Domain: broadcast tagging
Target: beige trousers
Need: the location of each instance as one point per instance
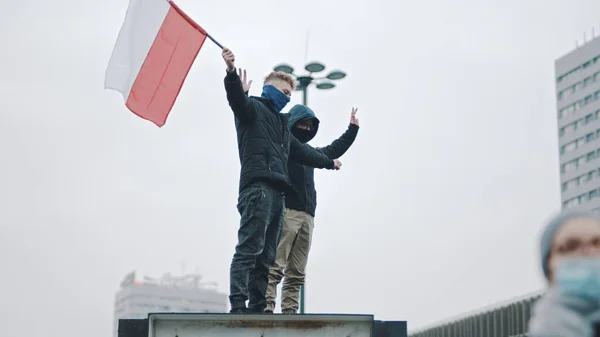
(291, 259)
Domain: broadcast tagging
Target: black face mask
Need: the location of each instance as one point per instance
(302, 135)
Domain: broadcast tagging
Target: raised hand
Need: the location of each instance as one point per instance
(353, 119)
(229, 59)
(337, 164)
(245, 85)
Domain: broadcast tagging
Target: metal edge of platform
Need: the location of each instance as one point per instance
(176, 316)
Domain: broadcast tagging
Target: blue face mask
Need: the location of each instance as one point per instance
(579, 277)
(279, 99)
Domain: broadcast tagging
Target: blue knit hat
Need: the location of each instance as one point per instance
(553, 227)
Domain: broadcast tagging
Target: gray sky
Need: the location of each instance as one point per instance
(436, 210)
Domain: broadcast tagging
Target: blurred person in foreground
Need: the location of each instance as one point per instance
(264, 145)
(570, 252)
(301, 204)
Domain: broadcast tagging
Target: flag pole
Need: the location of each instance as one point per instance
(215, 41)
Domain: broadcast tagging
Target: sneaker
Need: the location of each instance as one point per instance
(241, 310)
(256, 311)
(288, 311)
(267, 311)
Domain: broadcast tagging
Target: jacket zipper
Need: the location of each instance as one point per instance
(282, 128)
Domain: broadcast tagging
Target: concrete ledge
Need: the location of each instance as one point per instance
(259, 325)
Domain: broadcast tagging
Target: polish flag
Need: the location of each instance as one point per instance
(154, 52)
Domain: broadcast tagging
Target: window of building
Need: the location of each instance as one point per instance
(591, 156)
(572, 127)
(587, 81)
(590, 137)
(568, 147)
(569, 166)
(571, 202)
(567, 129)
(589, 118)
(592, 175)
(570, 184)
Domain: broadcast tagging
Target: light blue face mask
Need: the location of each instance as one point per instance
(579, 277)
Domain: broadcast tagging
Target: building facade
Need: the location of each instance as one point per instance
(578, 107)
(136, 299)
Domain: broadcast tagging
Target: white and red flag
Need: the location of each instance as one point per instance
(154, 52)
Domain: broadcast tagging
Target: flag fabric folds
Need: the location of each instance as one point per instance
(154, 52)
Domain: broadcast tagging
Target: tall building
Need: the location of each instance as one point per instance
(136, 299)
(578, 106)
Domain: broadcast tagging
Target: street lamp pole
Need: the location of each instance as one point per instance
(304, 95)
(303, 82)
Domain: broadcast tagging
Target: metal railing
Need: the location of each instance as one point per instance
(509, 319)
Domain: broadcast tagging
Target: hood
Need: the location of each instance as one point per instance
(555, 314)
(300, 112)
(552, 228)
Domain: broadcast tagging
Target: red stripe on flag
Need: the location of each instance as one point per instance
(163, 73)
(187, 17)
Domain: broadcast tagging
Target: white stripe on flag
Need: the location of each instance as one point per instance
(142, 23)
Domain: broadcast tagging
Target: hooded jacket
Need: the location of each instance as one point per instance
(264, 141)
(556, 314)
(303, 195)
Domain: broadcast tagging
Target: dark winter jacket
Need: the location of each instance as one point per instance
(303, 196)
(264, 140)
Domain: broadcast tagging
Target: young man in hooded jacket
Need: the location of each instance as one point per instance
(301, 203)
(264, 145)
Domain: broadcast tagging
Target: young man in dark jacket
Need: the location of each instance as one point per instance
(301, 203)
(264, 145)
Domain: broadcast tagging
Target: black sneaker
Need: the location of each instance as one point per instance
(268, 312)
(256, 310)
(239, 311)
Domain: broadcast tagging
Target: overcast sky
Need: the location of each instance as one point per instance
(435, 212)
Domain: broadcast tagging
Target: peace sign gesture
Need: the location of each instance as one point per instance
(353, 119)
(245, 85)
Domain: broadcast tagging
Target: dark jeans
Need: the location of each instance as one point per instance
(261, 208)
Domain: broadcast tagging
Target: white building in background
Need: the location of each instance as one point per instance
(578, 105)
(136, 299)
